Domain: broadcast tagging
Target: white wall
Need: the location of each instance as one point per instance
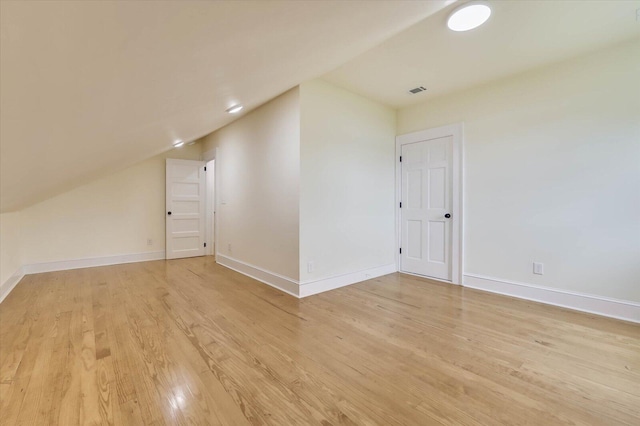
(11, 257)
(346, 182)
(258, 172)
(114, 215)
(552, 173)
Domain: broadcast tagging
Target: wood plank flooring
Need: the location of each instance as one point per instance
(190, 342)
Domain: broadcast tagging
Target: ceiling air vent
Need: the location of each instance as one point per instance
(418, 90)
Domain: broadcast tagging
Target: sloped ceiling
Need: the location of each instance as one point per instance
(87, 88)
(519, 35)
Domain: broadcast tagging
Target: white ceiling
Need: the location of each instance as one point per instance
(90, 87)
(519, 35)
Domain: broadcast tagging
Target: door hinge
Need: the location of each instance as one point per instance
(400, 250)
(401, 158)
(400, 204)
(205, 244)
(205, 168)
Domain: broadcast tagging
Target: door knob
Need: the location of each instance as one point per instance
(169, 213)
(446, 215)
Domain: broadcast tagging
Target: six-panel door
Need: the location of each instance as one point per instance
(426, 201)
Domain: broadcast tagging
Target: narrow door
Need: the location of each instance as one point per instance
(211, 208)
(427, 207)
(185, 213)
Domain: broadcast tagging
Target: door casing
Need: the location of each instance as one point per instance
(456, 131)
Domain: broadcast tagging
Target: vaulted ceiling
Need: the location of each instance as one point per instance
(87, 88)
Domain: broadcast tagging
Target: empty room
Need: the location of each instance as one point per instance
(308, 212)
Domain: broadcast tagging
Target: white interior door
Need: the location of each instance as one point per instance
(185, 214)
(210, 209)
(427, 198)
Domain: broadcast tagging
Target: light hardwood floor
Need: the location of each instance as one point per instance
(190, 342)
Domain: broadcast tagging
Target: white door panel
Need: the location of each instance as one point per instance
(210, 208)
(185, 199)
(426, 196)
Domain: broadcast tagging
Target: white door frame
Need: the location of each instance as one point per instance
(456, 131)
(206, 157)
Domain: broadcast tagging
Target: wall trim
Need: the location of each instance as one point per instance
(90, 262)
(310, 288)
(11, 282)
(599, 305)
(307, 288)
(286, 284)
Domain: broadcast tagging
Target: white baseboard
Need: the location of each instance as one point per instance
(286, 284)
(10, 283)
(63, 265)
(619, 309)
(310, 288)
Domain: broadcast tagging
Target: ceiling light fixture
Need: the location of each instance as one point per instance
(178, 144)
(234, 109)
(469, 16)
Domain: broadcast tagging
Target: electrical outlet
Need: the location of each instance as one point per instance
(229, 248)
(310, 267)
(538, 268)
(149, 242)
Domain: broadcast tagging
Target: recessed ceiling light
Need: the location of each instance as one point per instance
(469, 16)
(234, 109)
(178, 144)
